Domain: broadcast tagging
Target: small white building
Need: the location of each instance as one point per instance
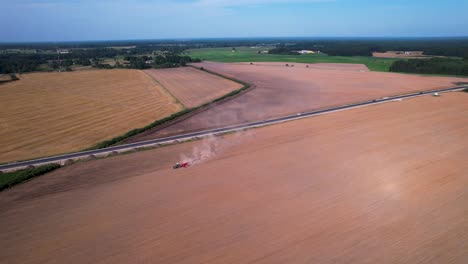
(306, 52)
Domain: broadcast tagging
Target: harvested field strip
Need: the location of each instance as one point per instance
(82, 123)
(52, 113)
(193, 87)
(83, 119)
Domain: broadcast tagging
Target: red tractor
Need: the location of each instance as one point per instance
(179, 165)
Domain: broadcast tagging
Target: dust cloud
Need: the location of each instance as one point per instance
(212, 146)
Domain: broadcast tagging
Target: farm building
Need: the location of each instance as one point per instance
(63, 51)
(306, 52)
(418, 53)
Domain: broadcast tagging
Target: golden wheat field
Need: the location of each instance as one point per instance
(51, 113)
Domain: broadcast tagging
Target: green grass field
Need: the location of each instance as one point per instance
(246, 54)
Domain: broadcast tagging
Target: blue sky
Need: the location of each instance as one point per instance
(61, 20)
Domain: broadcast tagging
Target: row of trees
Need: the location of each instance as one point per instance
(332, 49)
(160, 61)
(432, 66)
(22, 64)
(168, 60)
(19, 63)
(457, 47)
(283, 50)
(86, 54)
(12, 63)
(451, 47)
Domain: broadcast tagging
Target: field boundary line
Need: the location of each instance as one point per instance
(165, 89)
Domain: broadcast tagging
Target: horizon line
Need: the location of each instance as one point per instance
(230, 38)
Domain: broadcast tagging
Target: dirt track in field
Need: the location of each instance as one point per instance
(52, 113)
(402, 55)
(281, 90)
(193, 87)
(379, 184)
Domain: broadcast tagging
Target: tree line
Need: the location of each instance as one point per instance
(20, 63)
(432, 66)
(451, 47)
(455, 46)
(145, 62)
(13, 63)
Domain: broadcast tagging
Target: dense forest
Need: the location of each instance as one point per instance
(432, 66)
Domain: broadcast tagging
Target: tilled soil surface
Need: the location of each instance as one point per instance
(321, 66)
(378, 184)
(281, 90)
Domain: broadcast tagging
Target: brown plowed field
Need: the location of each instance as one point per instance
(320, 66)
(281, 90)
(193, 87)
(378, 184)
(50, 113)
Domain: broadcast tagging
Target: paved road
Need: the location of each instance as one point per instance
(83, 154)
